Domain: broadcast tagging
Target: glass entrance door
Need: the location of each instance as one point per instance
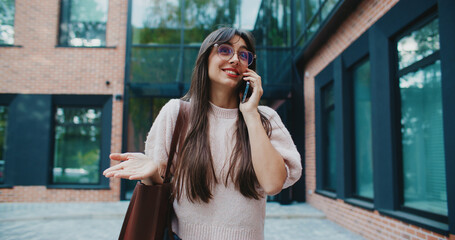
(142, 111)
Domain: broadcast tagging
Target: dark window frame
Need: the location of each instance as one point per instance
(353, 133)
(86, 101)
(400, 18)
(426, 61)
(355, 54)
(386, 150)
(5, 100)
(323, 79)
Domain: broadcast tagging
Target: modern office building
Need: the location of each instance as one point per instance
(364, 86)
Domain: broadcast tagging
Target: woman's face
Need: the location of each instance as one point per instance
(227, 73)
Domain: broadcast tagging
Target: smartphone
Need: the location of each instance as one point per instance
(246, 91)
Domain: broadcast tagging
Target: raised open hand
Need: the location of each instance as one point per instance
(133, 166)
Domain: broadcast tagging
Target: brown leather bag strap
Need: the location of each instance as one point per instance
(180, 127)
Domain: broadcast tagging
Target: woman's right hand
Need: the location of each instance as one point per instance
(134, 166)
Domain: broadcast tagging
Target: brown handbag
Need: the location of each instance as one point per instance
(150, 209)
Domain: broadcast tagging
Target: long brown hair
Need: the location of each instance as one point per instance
(195, 174)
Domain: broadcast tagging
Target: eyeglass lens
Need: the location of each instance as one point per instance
(227, 52)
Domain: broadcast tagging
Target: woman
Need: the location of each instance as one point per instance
(235, 152)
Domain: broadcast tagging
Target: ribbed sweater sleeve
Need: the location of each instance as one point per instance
(282, 141)
(159, 137)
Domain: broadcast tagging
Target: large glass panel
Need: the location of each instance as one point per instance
(311, 8)
(83, 23)
(362, 127)
(190, 56)
(7, 11)
(327, 8)
(422, 140)
(329, 141)
(156, 22)
(77, 145)
(3, 125)
(268, 61)
(142, 113)
(418, 44)
(299, 14)
(201, 16)
(155, 65)
(273, 24)
(312, 28)
(248, 15)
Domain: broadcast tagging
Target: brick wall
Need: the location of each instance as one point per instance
(370, 224)
(39, 67)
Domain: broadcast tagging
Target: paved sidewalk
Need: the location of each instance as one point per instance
(81, 221)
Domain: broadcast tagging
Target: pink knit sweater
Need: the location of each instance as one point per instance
(229, 215)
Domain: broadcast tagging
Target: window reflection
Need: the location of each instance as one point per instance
(156, 22)
(311, 8)
(202, 16)
(363, 130)
(419, 44)
(422, 140)
(158, 55)
(83, 23)
(77, 145)
(7, 12)
(422, 131)
(327, 8)
(309, 15)
(273, 24)
(155, 65)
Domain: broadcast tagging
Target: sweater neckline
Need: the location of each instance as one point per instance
(224, 112)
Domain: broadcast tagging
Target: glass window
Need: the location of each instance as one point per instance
(77, 145)
(7, 11)
(83, 23)
(142, 113)
(299, 17)
(248, 15)
(155, 64)
(202, 16)
(273, 24)
(313, 27)
(418, 45)
(327, 8)
(190, 55)
(311, 8)
(424, 178)
(3, 123)
(156, 22)
(362, 128)
(329, 141)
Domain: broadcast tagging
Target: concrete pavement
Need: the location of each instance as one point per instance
(81, 221)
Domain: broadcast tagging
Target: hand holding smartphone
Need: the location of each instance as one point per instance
(246, 91)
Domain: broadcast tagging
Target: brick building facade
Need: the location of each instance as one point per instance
(37, 66)
(384, 216)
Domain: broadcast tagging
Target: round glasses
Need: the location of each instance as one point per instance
(226, 52)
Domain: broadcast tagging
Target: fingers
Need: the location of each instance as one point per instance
(254, 78)
(119, 156)
(123, 174)
(112, 169)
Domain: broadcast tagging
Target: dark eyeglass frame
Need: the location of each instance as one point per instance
(232, 52)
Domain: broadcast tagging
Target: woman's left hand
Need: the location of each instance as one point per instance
(251, 104)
